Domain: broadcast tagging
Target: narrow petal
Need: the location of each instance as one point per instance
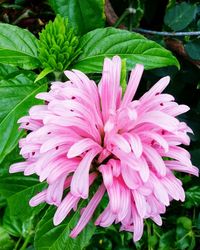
(81, 146)
(80, 180)
(140, 203)
(119, 141)
(107, 175)
(138, 225)
(155, 159)
(157, 88)
(88, 211)
(157, 219)
(64, 208)
(133, 83)
(160, 191)
(18, 167)
(160, 119)
(135, 142)
(55, 191)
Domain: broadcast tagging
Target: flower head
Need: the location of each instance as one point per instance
(83, 133)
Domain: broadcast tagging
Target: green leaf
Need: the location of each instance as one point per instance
(184, 238)
(193, 197)
(167, 240)
(17, 96)
(193, 49)
(84, 15)
(185, 222)
(11, 185)
(15, 226)
(6, 243)
(135, 48)
(18, 203)
(18, 47)
(57, 238)
(180, 16)
(5, 70)
(43, 74)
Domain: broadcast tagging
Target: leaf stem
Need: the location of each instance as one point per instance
(118, 22)
(148, 234)
(17, 244)
(165, 33)
(26, 242)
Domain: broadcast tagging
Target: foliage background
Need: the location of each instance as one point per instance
(22, 227)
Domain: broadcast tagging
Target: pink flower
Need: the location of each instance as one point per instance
(85, 132)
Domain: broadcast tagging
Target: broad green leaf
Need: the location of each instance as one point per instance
(11, 184)
(180, 16)
(15, 226)
(18, 203)
(135, 48)
(18, 47)
(57, 238)
(5, 70)
(6, 243)
(193, 49)
(84, 15)
(17, 96)
(192, 197)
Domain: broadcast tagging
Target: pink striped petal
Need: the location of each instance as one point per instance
(38, 198)
(80, 180)
(64, 208)
(88, 211)
(155, 159)
(81, 146)
(133, 83)
(18, 167)
(140, 203)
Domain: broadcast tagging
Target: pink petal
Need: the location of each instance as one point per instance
(144, 171)
(133, 83)
(88, 211)
(160, 191)
(80, 180)
(81, 146)
(18, 167)
(180, 167)
(155, 159)
(157, 88)
(119, 141)
(55, 191)
(157, 219)
(160, 119)
(38, 198)
(140, 203)
(106, 218)
(64, 208)
(138, 225)
(135, 142)
(114, 197)
(107, 175)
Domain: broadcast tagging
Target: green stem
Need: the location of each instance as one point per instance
(149, 234)
(57, 75)
(125, 14)
(26, 242)
(17, 244)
